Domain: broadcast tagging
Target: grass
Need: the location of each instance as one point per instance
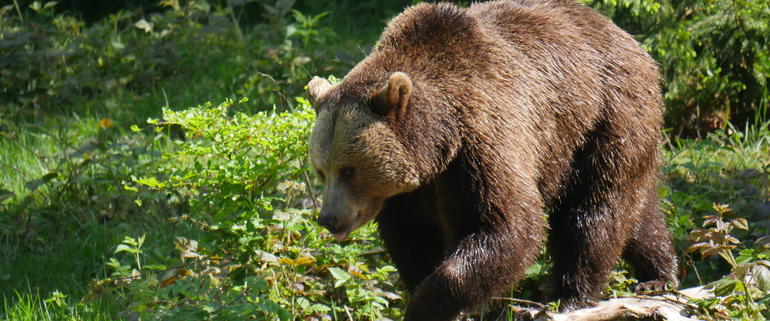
(31, 306)
(65, 263)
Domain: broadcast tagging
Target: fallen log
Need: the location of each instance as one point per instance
(672, 305)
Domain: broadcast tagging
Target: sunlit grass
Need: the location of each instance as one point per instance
(55, 306)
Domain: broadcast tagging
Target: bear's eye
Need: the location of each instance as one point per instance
(320, 174)
(347, 172)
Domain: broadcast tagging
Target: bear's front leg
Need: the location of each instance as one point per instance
(412, 235)
(483, 265)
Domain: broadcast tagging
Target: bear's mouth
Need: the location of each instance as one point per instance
(339, 236)
(342, 232)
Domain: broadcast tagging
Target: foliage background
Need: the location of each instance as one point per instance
(119, 200)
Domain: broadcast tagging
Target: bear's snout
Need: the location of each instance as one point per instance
(328, 220)
(339, 228)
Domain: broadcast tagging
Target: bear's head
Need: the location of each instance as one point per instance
(356, 152)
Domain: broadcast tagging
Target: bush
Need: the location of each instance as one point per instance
(52, 60)
(713, 56)
(717, 203)
(56, 63)
(262, 255)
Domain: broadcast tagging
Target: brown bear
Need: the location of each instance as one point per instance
(467, 133)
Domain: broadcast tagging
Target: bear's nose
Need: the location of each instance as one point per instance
(328, 221)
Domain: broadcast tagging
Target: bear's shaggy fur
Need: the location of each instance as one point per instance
(469, 133)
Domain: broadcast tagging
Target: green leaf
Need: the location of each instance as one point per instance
(135, 128)
(283, 315)
(741, 223)
(36, 183)
(725, 287)
(130, 241)
(144, 25)
(124, 248)
(339, 275)
(762, 275)
(318, 308)
(151, 182)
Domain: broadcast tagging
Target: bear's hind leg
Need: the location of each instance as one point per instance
(584, 245)
(649, 250)
(596, 215)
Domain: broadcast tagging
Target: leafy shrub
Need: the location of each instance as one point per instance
(261, 255)
(745, 293)
(713, 56)
(50, 60)
(729, 167)
(54, 62)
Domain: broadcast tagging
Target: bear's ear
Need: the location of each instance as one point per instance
(315, 88)
(394, 97)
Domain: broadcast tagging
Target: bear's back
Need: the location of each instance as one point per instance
(550, 44)
(551, 66)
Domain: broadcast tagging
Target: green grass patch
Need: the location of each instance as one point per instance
(31, 306)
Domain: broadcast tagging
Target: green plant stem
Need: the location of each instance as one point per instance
(728, 256)
(237, 27)
(18, 11)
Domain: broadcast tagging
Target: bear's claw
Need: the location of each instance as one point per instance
(650, 286)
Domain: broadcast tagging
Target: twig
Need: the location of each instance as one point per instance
(235, 22)
(307, 185)
(179, 266)
(18, 11)
(374, 252)
(241, 296)
(521, 301)
(278, 92)
(663, 299)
